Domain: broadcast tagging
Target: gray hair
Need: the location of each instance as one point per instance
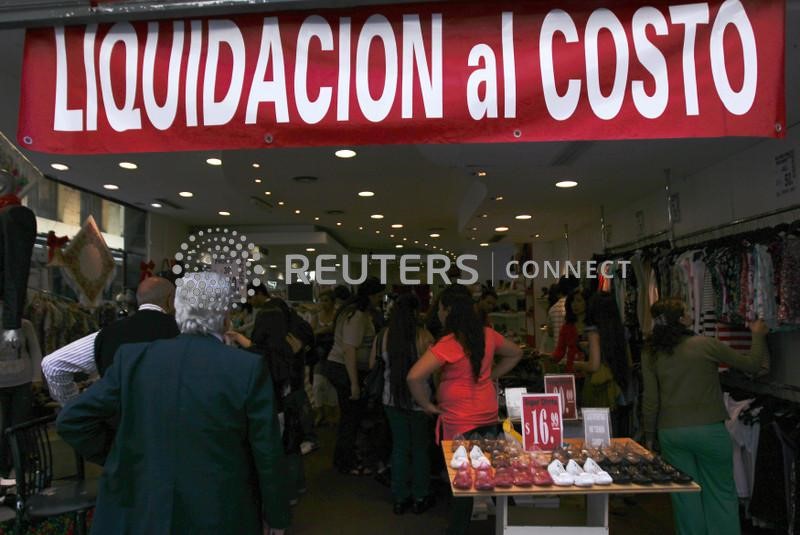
(201, 302)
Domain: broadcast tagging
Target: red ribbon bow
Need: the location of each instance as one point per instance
(54, 243)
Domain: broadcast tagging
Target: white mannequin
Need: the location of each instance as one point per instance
(26, 338)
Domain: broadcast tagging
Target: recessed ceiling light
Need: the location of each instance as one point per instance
(537, 236)
(484, 244)
(310, 249)
(316, 218)
(481, 173)
(281, 203)
(273, 266)
(155, 204)
(497, 198)
(473, 238)
(60, 166)
(484, 216)
(338, 265)
(366, 193)
(267, 193)
(434, 235)
(214, 161)
(416, 241)
(297, 211)
(345, 153)
(566, 184)
(360, 228)
(111, 187)
(377, 232)
(128, 165)
(398, 246)
(186, 194)
(376, 216)
(256, 165)
(501, 229)
(405, 239)
(223, 212)
(397, 225)
(338, 223)
(257, 180)
(474, 229)
(426, 245)
(391, 235)
(523, 216)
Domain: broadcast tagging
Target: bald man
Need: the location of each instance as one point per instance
(94, 353)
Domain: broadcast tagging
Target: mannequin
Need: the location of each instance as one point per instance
(17, 237)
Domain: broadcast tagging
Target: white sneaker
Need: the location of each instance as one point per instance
(559, 474)
(459, 459)
(600, 476)
(476, 453)
(582, 479)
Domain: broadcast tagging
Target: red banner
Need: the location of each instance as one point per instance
(541, 422)
(452, 72)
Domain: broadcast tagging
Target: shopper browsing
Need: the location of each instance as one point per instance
(400, 346)
(348, 364)
(683, 400)
(198, 447)
(323, 393)
(467, 395)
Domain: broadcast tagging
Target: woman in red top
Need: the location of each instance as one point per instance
(572, 342)
(467, 396)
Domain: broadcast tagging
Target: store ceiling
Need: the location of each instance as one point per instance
(426, 188)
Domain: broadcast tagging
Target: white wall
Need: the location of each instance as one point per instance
(741, 186)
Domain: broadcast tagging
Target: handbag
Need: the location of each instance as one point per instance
(372, 387)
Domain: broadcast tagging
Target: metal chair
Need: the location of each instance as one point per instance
(38, 494)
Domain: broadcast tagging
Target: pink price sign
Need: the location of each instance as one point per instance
(541, 422)
(564, 386)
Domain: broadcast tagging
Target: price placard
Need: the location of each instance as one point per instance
(514, 402)
(596, 427)
(564, 386)
(541, 422)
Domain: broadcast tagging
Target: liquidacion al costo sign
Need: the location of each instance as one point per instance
(420, 73)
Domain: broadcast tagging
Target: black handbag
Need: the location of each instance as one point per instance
(372, 387)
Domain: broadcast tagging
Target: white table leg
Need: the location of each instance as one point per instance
(597, 510)
(501, 517)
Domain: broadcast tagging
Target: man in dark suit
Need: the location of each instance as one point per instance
(198, 450)
(152, 321)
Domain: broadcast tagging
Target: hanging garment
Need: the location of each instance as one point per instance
(708, 324)
(764, 287)
(769, 496)
(789, 310)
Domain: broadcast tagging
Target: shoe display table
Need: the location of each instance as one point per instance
(596, 497)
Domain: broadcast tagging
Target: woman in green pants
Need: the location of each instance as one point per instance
(683, 400)
(400, 345)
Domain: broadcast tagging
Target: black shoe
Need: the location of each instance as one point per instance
(401, 507)
(680, 478)
(423, 504)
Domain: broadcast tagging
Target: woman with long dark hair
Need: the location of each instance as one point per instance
(571, 337)
(270, 338)
(467, 396)
(683, 399)
(608, 370)
(400, 345)
(347, 365)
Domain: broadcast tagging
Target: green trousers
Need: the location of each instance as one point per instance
(704, 452)
(411, 464)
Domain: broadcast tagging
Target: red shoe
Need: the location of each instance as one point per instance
(541, 478)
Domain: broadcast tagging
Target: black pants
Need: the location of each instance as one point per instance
(351, 412)
(16, 406)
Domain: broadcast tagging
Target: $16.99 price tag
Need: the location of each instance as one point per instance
(541, 422)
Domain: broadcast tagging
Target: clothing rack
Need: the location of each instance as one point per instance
(783, 391)
(631, 246)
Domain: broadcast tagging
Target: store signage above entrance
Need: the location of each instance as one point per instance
(450, 72)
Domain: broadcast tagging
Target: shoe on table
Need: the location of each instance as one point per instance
(459, 459)
(600, 476)
(582, 479)
(559, 474)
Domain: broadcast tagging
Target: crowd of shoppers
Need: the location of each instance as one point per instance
(437, 380)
